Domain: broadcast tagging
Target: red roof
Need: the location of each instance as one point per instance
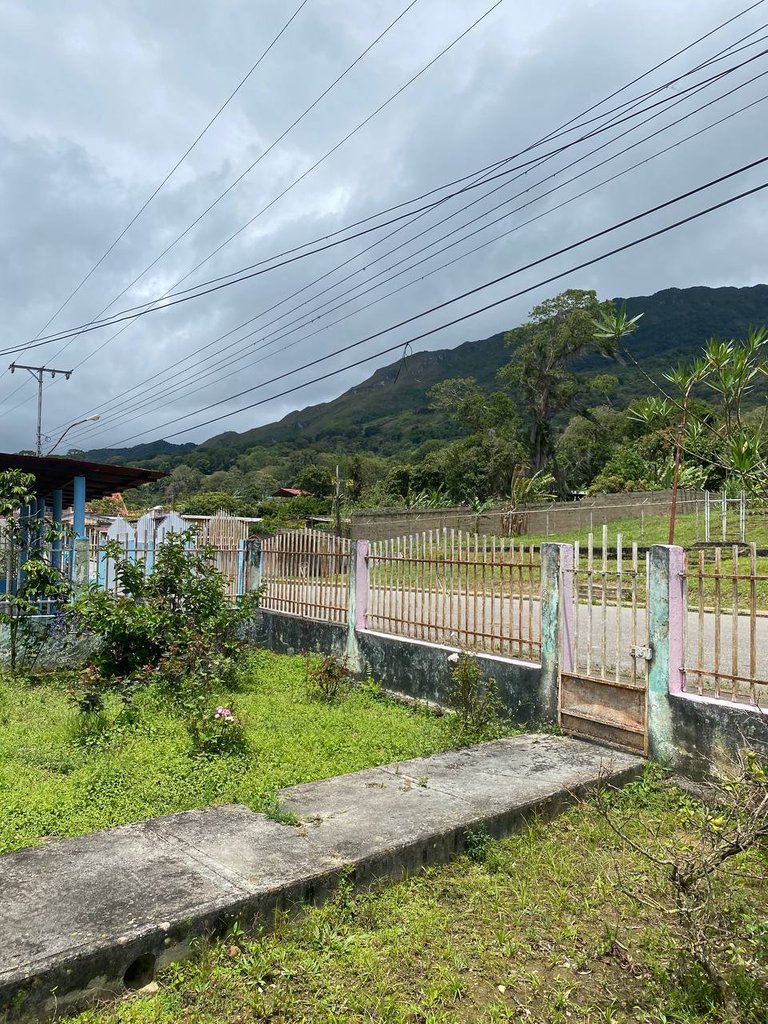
(291, 492)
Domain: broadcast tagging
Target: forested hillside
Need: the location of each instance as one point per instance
(392, 419)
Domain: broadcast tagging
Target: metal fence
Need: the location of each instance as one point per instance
(605, 636)
(610, 611)
(467, 590)
(306, 573)
(230, 561)
(726, 641)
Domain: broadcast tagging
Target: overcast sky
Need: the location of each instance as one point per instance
(99, 100)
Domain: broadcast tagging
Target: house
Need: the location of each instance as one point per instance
(291, 492)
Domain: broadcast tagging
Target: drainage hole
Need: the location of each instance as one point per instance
(140, 972)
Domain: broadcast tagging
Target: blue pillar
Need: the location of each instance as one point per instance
(56, 510)
(78, 507)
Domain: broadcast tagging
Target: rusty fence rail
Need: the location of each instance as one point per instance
(466, 590)
(726, 641)
(306, 573)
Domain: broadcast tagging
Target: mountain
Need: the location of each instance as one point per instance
(139, 453)
(389, 412)
(385, 413)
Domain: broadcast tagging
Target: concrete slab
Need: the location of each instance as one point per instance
(82, 918)
(398, 817)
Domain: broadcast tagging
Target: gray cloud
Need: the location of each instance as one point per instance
(98, 101)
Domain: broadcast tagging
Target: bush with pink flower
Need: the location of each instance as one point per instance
(217, 732)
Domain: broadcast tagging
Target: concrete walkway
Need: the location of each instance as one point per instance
(82, 918)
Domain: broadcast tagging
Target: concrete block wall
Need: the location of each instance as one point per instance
(541, 520)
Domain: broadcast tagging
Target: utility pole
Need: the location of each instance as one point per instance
(337, 503)
(37, 372)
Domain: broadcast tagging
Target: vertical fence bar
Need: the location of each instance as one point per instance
(590, 593)
(576, 617)
(604, 604)
(718, 574)
(734, 619)
(619, 604)
(724, 515)
(752, 622)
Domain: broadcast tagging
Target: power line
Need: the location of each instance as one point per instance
(255, 162)
(479, 288)
(243, 274)
(175, 167)
(304, 174)
(149, 399)
(99, 348)
(498, 302)
(667, 60)
(616, 91)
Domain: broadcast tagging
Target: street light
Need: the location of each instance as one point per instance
(88, 419)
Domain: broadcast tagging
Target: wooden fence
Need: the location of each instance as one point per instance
(726, 642)
(306, 573)
(466, 590)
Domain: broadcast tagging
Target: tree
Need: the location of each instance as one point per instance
(183, 480)
(470, 407)
(558, 330)
(317, 480)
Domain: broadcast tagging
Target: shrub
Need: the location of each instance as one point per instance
(217, 733)
(477, 705)
(173, 622)
(327, 676)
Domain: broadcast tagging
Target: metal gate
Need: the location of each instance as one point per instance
(604, 661)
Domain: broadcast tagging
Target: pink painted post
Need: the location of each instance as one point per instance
(361, 584)
(677, 623)
(566, 605)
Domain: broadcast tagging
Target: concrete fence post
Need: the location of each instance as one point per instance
(556, 624)
(81, 569)
(666, 629)
(354, 658)
(362, 581)
(255, 561)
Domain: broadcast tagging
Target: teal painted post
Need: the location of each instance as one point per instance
(554, 626)
(666, 637)
(78, 507)
(241, 553)
(354, 658)
(56, 514)
(80, 568)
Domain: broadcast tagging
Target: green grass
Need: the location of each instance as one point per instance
(560, 924)
(51, 785)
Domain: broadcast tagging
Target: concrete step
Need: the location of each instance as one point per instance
(84, 918)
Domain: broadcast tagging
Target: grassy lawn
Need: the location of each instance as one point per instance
(561, 924)
(53, 784)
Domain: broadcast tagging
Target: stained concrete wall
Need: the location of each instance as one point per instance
(705, 733)
(414, 668)
(548, 520)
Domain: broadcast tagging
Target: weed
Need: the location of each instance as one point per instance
(477, 843)
(477, 705)
(327, 677)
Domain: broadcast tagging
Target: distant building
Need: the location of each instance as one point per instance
(291, 492)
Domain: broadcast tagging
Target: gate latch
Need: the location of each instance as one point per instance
(646, 653)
